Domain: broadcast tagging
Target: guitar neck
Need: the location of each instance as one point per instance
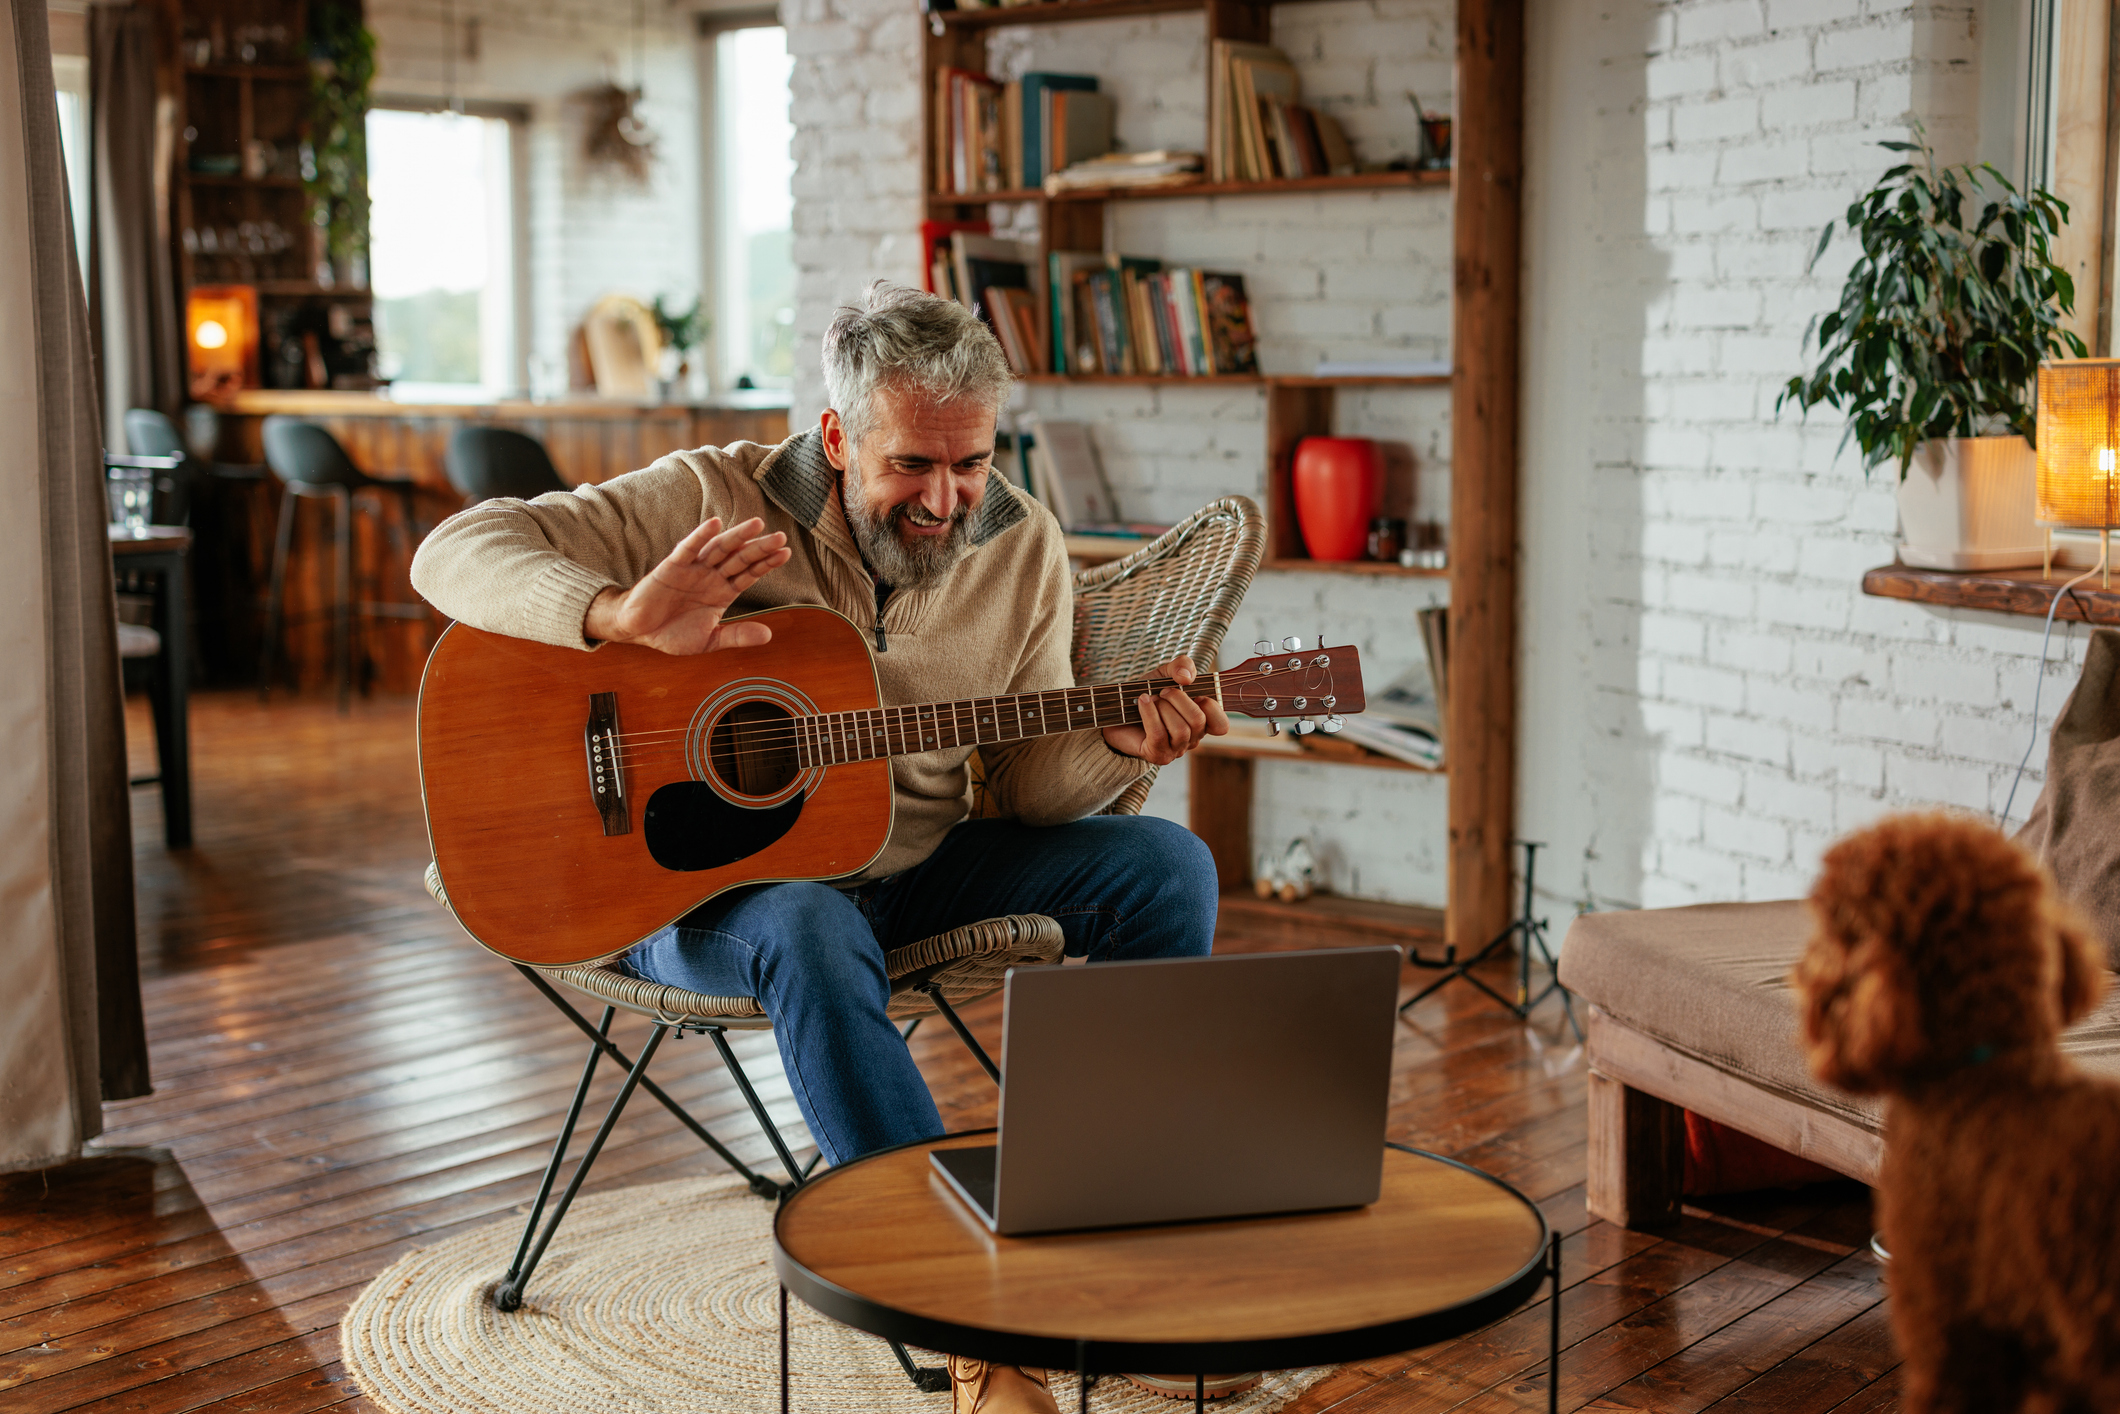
(835, 737)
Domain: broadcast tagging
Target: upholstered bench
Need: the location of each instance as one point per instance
(1690, 1009)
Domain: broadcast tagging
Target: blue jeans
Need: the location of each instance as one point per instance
(1120, 886)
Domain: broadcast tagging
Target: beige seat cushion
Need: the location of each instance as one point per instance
(1713, 981)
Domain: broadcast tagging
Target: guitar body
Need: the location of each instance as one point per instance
(547, 862)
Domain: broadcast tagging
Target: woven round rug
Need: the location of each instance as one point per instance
(659, 1298)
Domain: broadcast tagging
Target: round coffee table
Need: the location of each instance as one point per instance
(882, 1245)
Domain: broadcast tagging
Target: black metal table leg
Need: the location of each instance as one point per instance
(783, 1350)
(1199, 1394)
(1082, 1374)
(1553, 1329)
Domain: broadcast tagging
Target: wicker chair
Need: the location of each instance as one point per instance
(1177, 594)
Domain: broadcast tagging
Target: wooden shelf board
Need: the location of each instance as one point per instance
(1061, 11)
(1362, 380)
(301, 288)
(1353, 567)
(1251, 379)
(285, 73)
(1998, 591)
(215, 179)
(1338, 919)
(1331, 751)
(1357, 181)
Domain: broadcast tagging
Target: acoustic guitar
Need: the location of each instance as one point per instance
(579, 802)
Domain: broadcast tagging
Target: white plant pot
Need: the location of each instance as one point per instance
(1967, 503)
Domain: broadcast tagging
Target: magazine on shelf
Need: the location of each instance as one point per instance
(1067, 475)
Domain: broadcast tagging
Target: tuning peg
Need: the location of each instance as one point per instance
(1273, 728)
(1323, 660)
(1263, 647)
(1301, 703)
(1305, 726)
(1332, 724)
(1292, 645)
(1271, 704)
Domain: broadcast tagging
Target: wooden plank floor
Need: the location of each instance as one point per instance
(340, 1076)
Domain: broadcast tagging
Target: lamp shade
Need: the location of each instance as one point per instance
(221, 338)
(2079, 443)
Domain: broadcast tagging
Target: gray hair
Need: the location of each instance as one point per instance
(903, 338)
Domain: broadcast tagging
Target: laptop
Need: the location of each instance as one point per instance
(1187, 1088)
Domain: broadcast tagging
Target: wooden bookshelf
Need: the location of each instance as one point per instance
(1315, 749)
(1483, 389)
(1331, 919)
(1353, 181)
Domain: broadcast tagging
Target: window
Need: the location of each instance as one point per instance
(70, 77)
(753, 197)
(441, 248)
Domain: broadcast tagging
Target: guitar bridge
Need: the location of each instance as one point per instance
(607, 781)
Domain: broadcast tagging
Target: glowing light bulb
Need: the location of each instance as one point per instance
(212, 334)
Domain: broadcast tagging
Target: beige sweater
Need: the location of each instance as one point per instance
(999, 623)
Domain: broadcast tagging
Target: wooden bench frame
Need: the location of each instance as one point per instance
(1639, 1090)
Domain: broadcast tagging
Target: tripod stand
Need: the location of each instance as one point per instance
(1532, 932)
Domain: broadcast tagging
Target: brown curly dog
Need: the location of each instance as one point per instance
(1940, 971)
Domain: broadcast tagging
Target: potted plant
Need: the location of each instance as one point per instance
(341, 67)
(682, 331)
(1935, 349)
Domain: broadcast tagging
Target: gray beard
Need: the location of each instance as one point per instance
(899, 562)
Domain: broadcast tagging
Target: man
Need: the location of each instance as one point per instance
(891, 513)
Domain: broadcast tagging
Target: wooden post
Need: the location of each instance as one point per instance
(1219, 807)
(1637, 1159)
(1488, 136)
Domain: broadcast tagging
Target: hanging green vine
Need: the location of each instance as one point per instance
(341, 68)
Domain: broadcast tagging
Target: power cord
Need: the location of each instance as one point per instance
(2039, 683)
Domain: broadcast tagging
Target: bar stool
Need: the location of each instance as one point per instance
(484, 462)
(311, 464)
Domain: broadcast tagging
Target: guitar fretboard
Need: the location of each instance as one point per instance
(836, 737)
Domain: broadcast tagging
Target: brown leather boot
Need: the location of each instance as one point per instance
(979, 1388)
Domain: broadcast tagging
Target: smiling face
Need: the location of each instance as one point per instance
(913, 482)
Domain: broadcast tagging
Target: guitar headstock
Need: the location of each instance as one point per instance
(1311, 688)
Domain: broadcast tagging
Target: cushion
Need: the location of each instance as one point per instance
(1713, 981)
(2075, 826)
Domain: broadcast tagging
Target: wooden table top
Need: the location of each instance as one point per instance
(882, 1244)
(155, 539)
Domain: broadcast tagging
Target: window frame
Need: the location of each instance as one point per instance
(517, 117)
(708, 29)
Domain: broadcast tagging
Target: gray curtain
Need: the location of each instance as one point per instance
(132, 298)
(70, 1028)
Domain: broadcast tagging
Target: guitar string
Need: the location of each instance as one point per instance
(829, 737)
(818, 729)
(814, 732)
(791, 725)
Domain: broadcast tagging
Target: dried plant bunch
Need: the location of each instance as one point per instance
(1946, 316)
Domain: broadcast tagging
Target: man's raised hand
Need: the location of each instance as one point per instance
(678, 608)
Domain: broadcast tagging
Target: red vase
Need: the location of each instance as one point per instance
(1337, 483)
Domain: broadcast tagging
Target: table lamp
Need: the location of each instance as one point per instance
(2079, 451)
(221, 338)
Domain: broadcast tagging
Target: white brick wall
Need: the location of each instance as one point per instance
(1694, 563)
(591, 233)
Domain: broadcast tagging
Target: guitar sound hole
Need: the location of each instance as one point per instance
(752, 749)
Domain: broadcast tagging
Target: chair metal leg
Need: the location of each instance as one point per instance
(559, 1156)
(275, 599)
(964, 1033)
(928, 1379)
(342, 617)
(761, 1185)
(797, 1175)
(509, 1296)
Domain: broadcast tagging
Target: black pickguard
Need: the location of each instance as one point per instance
(690, 827)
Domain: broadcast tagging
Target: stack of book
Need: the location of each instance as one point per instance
(1405, 720)
(1128, 171)
(1256, 129)
(992, 137)
(999, 278)
(1127, 315)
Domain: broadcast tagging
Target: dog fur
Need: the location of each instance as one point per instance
(1941, 970)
